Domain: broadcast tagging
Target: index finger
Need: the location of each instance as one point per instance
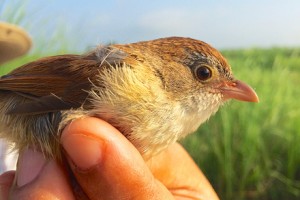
(179, 173)
(6, 181)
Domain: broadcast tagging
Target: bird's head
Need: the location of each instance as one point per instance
(193, 74)
(205, 70)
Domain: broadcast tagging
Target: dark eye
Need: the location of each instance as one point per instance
(203, 72)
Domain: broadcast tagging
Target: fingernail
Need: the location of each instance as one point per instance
(30, 164)
(85, 151)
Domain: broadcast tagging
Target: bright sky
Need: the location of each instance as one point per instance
(222, 23)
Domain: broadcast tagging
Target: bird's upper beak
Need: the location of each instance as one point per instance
(238, 90)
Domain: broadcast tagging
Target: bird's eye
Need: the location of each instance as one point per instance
(203, 72)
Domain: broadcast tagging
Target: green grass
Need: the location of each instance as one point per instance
(252, 151)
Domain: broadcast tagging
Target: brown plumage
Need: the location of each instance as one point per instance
(154, 92)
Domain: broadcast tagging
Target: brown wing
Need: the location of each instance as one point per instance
(53, 83)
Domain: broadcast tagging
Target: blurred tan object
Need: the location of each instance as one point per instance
(14, 42)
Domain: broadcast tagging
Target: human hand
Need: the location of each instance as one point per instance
(106, 166)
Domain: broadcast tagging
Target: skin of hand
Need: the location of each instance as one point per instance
(106, 166)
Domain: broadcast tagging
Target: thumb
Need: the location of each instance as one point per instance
(106, 165)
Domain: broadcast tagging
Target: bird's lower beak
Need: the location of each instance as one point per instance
(239, 91)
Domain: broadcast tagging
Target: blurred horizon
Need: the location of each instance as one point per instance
(229, 24)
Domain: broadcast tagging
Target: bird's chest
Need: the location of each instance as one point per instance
(163, 126)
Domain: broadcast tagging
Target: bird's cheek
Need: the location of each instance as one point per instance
(238, 90)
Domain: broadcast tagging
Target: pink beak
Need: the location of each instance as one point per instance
(239, 91)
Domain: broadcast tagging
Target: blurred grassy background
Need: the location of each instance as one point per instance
(247, 151)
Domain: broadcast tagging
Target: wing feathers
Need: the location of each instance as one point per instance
(44, 104)
(52, 84)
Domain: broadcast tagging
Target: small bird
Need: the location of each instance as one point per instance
(154, 92)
